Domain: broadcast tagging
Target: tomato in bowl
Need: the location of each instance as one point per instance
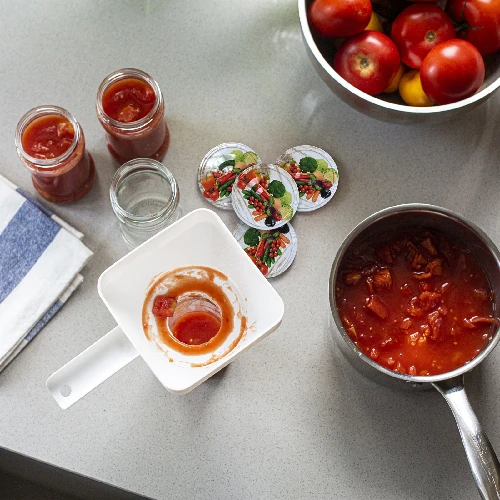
(387, 107)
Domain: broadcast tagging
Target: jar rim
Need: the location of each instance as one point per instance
(143, 165)
(38, 112)
(123, 74)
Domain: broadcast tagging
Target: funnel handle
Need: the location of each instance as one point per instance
(90, 368)
(480, 454)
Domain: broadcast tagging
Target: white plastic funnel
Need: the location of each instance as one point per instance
(198, 239)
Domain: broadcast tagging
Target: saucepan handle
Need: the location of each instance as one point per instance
(480, 454)
(90, 368)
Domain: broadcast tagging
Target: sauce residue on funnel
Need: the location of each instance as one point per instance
(197, 331)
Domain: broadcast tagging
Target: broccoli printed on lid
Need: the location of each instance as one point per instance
(272, 251)
(315, 174)
(265, 196)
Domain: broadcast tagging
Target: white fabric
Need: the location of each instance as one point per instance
(45, 286)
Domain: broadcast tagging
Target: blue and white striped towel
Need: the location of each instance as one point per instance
(41, 257)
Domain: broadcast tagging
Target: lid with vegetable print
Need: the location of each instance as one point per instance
(271, 251)
(219, 168)
(265, 196)
(315, 173)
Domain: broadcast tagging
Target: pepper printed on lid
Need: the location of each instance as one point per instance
(218, 171)
(265, 197)
(271, 251)
(315, 173)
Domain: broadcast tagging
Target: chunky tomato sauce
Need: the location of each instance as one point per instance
(128, 100)
(416, 303)
(48, 137)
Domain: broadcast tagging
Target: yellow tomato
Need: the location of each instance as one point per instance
(394, 85)
(410, 89)
(375, 23)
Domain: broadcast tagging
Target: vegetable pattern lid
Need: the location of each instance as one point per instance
(271, 251)
(219, 169)
(265, 197)
(315, 173)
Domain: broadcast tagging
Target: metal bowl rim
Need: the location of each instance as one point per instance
(306, 32)
(410, 207)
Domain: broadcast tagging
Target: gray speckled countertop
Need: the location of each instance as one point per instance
(289, 419)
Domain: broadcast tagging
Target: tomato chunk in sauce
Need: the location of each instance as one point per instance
(128, 100)
(416, 303)
(48, 137)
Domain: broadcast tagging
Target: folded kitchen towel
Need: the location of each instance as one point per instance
(41, 257)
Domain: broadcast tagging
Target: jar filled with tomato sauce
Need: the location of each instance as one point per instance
(131, 109)
(51, 144)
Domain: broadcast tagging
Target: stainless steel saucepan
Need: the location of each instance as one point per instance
(480, 454)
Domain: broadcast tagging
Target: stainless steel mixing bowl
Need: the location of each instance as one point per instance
(482, 459)
(389, 107)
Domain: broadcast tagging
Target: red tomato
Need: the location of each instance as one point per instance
(419, 28)
(164, 306)
(212, 194)
(479, 22)
(452, 71)
(340, 18)
(368, 61)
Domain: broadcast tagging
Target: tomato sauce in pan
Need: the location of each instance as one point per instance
(416, 302)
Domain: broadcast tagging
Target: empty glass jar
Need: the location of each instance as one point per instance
(145, 198)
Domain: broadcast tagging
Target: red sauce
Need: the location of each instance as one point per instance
(65, 179)
(70, 185)
(128, 100)
(196, 327)
(416, 303)
(48, 137)
(183, 335)
(153, 144)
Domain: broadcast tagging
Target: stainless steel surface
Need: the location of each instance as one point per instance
(481, 456)
(389, 107)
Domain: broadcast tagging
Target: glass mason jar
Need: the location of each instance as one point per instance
(146, 137)
(62, 178)
(145, 198)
